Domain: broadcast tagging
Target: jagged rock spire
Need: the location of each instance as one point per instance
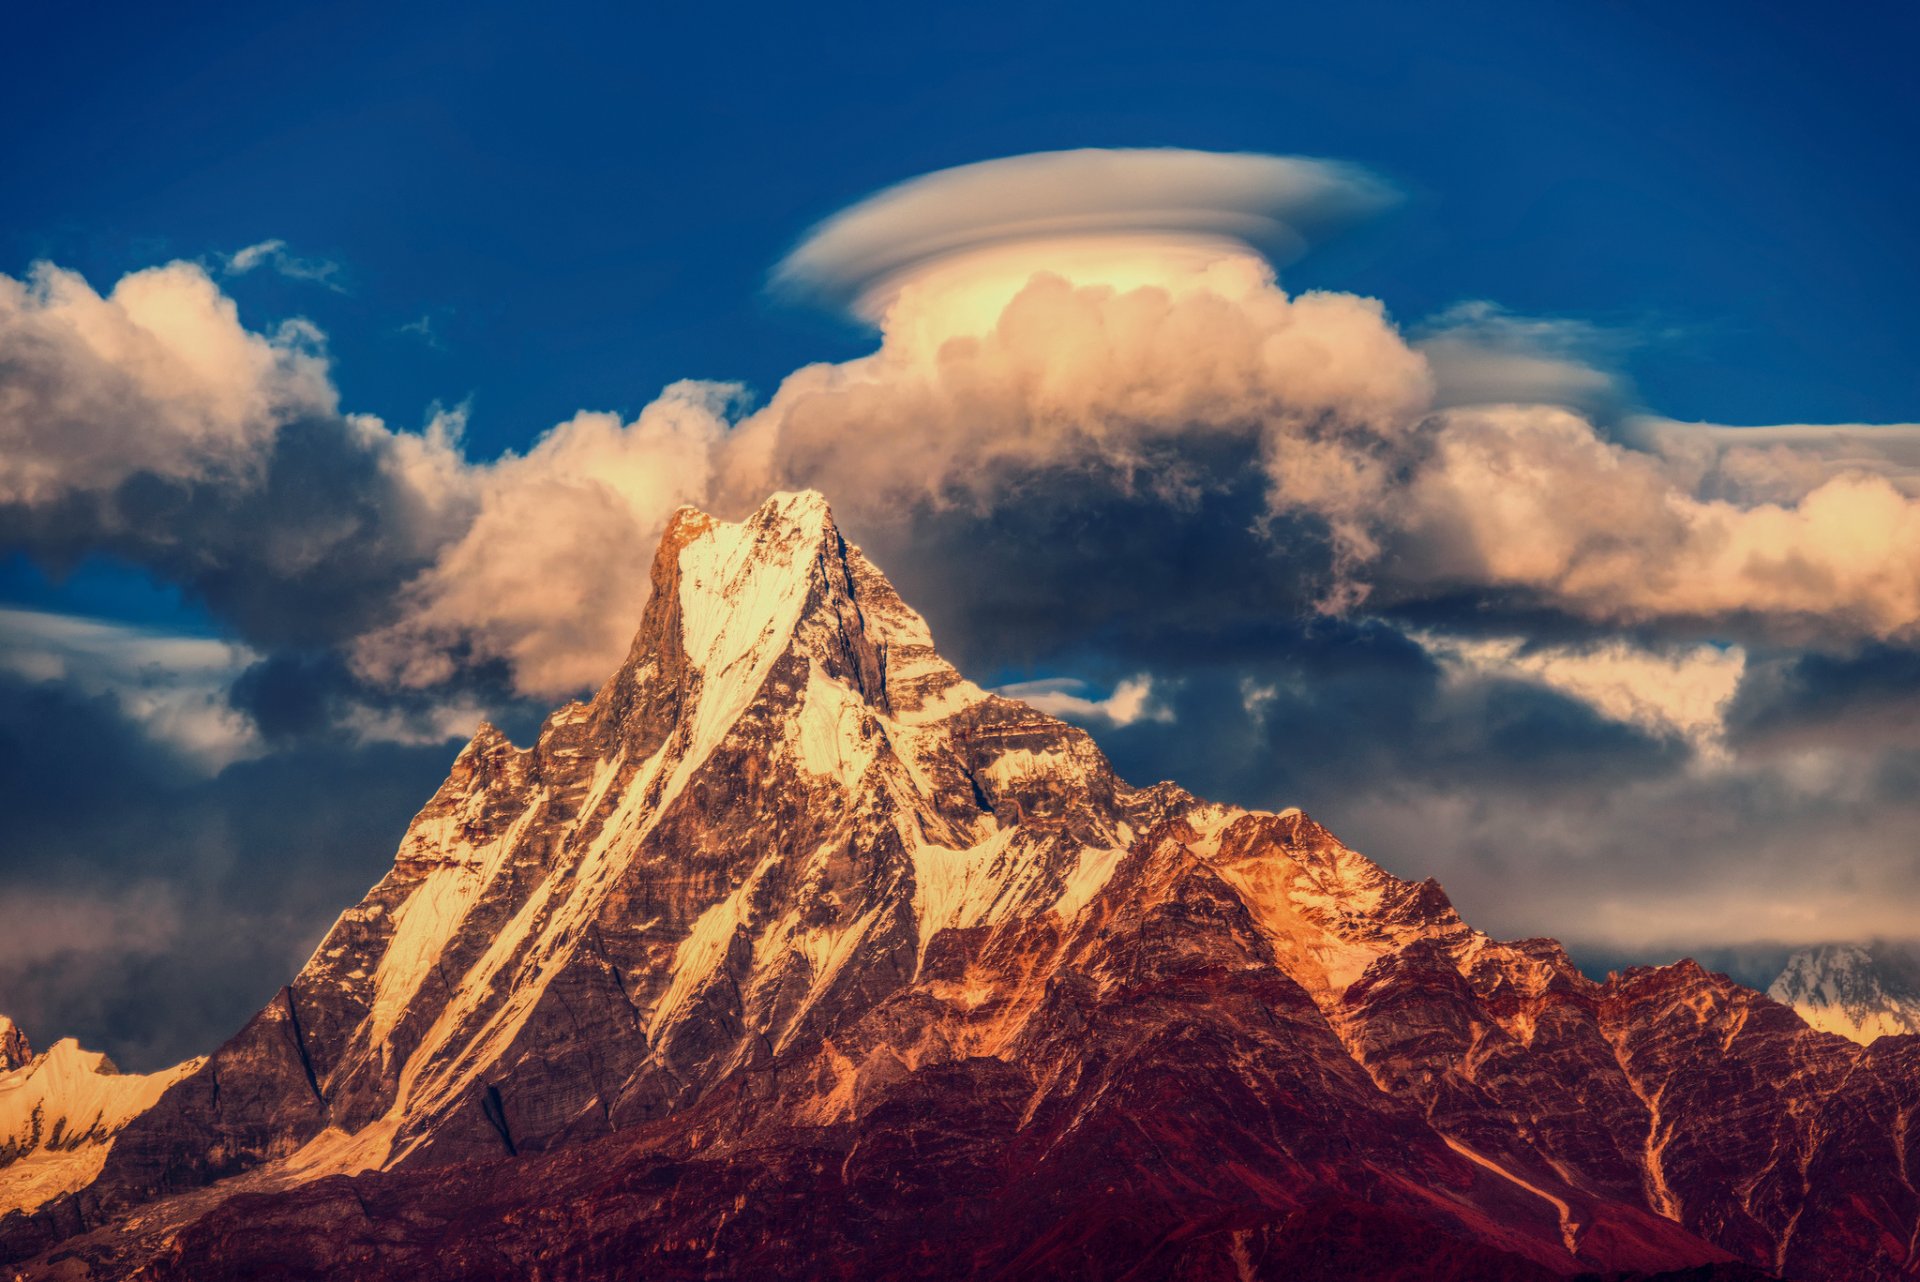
(14, 1050)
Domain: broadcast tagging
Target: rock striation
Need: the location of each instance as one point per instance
(793, 953)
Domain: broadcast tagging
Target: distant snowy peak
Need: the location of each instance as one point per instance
(1861, 991)
(59, 1114)
(14, 1049)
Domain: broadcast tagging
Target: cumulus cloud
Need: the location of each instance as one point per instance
(1535, 501)
(1478, 460)
(551, 573)
(1683, 691)
(1136, 387)
(157, 377)
(1065, 330)
(1441, 587)
(152, 424)
(1783, 463)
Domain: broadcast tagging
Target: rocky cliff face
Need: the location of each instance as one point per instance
(1860, 991)
(793, 952)
(14, 1048)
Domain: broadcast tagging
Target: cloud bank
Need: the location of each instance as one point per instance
(152, 424)
(1446, 584)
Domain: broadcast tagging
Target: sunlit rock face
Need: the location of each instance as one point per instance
(1860, 991)
(15, 1050)
(793, 953)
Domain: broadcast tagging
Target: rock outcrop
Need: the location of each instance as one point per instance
(14, 1048)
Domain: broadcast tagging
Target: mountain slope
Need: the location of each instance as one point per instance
(791, 949)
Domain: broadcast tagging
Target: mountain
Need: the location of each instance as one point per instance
(60, 1113)
(793, 953)
(1860, 991)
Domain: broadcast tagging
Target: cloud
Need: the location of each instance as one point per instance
(1131, 700)
(151, 424)
(1854, 706)
(1783, 463)
(150, 903)
(1544, 806)
(273, 254)
(424, 330)
(1482, 354)
(1137, 389)
(158, 377)
(1084, 328)
(1682, 691)
(174, 687)
(550, 575)
(1605, 674)
(1121, 216)
(1535, 502)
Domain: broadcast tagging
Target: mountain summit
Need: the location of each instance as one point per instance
(1860, 991)
(793, 953)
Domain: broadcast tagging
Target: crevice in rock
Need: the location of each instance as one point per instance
(496, 1114)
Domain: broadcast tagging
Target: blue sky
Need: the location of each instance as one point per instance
(583, 202)
(1702, 210)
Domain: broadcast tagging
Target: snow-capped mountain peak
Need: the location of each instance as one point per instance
(792, 941)
(1861, 991)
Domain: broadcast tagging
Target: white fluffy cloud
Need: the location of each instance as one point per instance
(1682, 691)
(157, 376)
(1536, 502)
(552, 572)
(1130, 700)
(1103, 317)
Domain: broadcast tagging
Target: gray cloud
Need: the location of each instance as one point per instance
(1482, 354)
(150, 906)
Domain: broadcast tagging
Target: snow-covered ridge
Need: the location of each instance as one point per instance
(743, 613)
(1860, 991)
(59, 1114)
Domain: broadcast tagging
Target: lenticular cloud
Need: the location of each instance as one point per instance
(1068, 207)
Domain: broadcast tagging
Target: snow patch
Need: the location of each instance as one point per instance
(61, 1111)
